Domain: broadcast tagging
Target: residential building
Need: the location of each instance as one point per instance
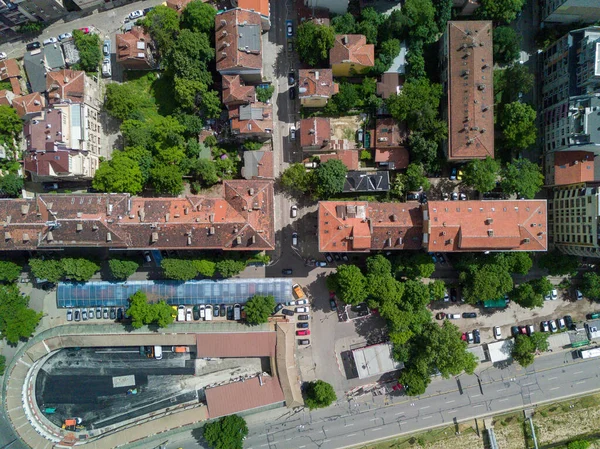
(36, 69)
(351, 55)
(73, 86)
(10, 70)
(6, 97)
(574, 218)
(254, 120)
(53, 55)
(392, 80)
(258, 165)
(390, 139)
(315, 134)
(437, 226)
(570, 11)
(29, 106)
(347, 157)
(178, 5)
(260, 6)
(334, 6)
(235, 92)
(239, 218)
(42, 10)
(135, 50)
(467, 71)
(11, 18)
(316, 87)
(90, 4)
(363, 181)
(571, 82)
(59, 146)
(466, 7)
(238, 44)
(569, 167)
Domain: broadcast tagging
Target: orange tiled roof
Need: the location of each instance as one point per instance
(388, 133)
(352, 48)
(571, 167)
(470, 90)
(517, 225)
(65, 84)
(316, 82)
(397, 155)
(314, 131)
(29, 104)
(178, 5)
(260, 6)
(229, 29)
(9, 68)
(251, 118)
(6, 97)
(348, 157)
(127, 46)
(235, 91)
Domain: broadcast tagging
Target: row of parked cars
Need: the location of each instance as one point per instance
(207, 312)
(300, 307)
(84, 314)
(472, 337)
(455, 316)
(565, 323)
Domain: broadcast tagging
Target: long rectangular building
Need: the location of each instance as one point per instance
(240, 219)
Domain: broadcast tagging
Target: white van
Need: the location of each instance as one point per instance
(158, 352)
(181, 313)
(208, 313)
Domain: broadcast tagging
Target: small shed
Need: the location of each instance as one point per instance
(500, 351)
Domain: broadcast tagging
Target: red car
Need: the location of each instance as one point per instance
(304, 332)
(85, 30)
(464, 336)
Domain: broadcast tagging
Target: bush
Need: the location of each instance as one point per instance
(122, 269)
(9, 271)
(365, 155)
(259, 308)
(90, 54)
(264, 94)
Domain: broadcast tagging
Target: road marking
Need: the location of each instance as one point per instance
(502, 400)
(287, 439)
(326, 441)
(502, 389)
(423, 408)
(399, 413)
(376, 429)
(552, 378)
(300, 447)
(526, 385)
(555, 388)
(451, 411)
(348, 425)
(580, 382)
(578, 372)
(478, 405)
(475, 395)
(450, 402)
(402, 422)
(373, 419)
(351, 435)
(427, 417)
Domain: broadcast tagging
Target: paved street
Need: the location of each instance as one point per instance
(447, 400)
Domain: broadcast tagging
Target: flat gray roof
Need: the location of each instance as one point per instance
(375, 360)
(249, 36)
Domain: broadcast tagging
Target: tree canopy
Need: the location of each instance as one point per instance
(485, 282)
(9, 271)
(90, 54)
(296, 178)
(590, 286)
(75, 269)
(11, 184)
(17, 320)
(319, 394)
(329, 178)
(122, 268)
(500, 11)
(517, 123)
(313, 43)
(523, 177)
(507, 45)
(143, 313)
(162, 23)
(420, 19)
(417, 105)
(514, 80)
(199, 16)
(226, 433)
(259, 308)
(481, 174)
(559, 264)
(350, 284)
(11, 124)
(526, 296)
(120, 174)
(526, 346)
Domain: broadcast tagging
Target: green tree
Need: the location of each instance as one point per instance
(379, 265)
(139, 310)
(414, 381)
(9, 271)
(488, 281)
(526, 296)
(167, 179)
(2, 364)
(590, 286)
(179, 269)
(329, 178)
(386, 53)
(50, 269)
(443, 13)
(205, 267)
(344, 24)
(296, 178)
(79, 269)
(559, 264)
(415, 177)
(204, 171)
(523, 350)
(259, 308)
(507, 45)
(414, 264)
(518, 125)
(346, 99)
(226, 433)
(264, 94)
(523, 177)
(123, 101)
(420, 18)
(11, 124)
(119, 175)
(313, 43)
(230, 267)
(17, 320)
(163, 24)
(370, 20)
(500, 11)
(578, 444)
(481, 174)
(163, 316)
(542, 286)
(514, 80)
(415, 59)
(437, 290)
(12, 184)
(417, 105)
(350, 284)
(122, 268)
(200, 17)
(90, 54)
(540, 341)
(319, 394)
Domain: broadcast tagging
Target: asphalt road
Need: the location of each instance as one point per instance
(491, 391)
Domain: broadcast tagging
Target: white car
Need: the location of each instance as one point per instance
(292, 133)
(553, 327)
(2, 55)
(188, 314)
(579, 295)
(302, 309)
(64, 36)
(446, 296)
(50, 40)
(497, 332)
(202, 312)
(301, 302)
(294, 211)
(106, 68)
(554, 295)
(180, 313)
(291, 303)
(136, 14)
(69, 314)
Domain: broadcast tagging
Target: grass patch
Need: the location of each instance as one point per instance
(422, 439)
(5, 85)
(157, 88)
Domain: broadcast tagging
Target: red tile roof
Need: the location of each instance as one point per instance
(239, 396)
(316, 83)
(470, 90)
(15, 85)
(352, 48)
(54, 161)
(133, 49)
(240, 219)
(251, 118)
(29, 104)
(397, 156)
(571, 167)
(178, 5)
(9, 68)
(65, 85)
(229, 29)
(6, 97)
(388, 133)
(389, 84)
(518, 225)
(260, 6)
(348, 157)
(236, 92)
(237, 345)
(43, 132)
(315, 132)
(360, 226)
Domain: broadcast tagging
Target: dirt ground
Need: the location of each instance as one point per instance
(344, 128)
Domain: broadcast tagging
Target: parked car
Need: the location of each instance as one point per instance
(469, 315)
(147, 257)
(412, 196)
(459, 175)
(433, 257)
(136, 14)
(360, 134)
(147, 10)
(441, 258)
(223, 311)
(497, 332)
(85, 30)
(292, 92)
(554, 294)
(289, 28)
(454, 196)
(295, 239)
(476, 336)
(105, 313)
(523, 330)
(345, 258)
(120, 314)
(202, 311)
(290, 45)
(291, 79)
(188, 314)
(294, 211)
(98, 313)
(3, 55)
(462, 197)
(91, 314)
(561, 323)
(303, 332)
(553, 326)
(440, 316)
(332, 305)
(446, 296)
(196, 313)
(64, 36)
(84, 314)
(287, 271)
(336, 257)
(50, 41)
(302, 325)
(328, 258)
(77, 314)
(578, 295)
(106, 68)
(445, 196)
(548, 297)
(453, 316)
(301, 309)
(303, 317)
(470, 337)
(514, 331)
(453, 174)
(530, 329)
(69, 314)
(304, 342)
(301, 302)
(569, 322)
(453, 294)
(32, 46)
(545, 326)
(593, 316)
(230, 312)
(287, 312)
(277, 308)
(292, 132)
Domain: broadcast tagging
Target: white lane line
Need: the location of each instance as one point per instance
(263, 445)
(351, 435)
(427, 406)
(326, 441)
(402, 422)
(450, 402)
(373, 419)
(555, 388)
(399, 413)
(580, 382)
(451, 411)
(552, 378)
(502, 400)
(287, 439)
(502, 389)
(478, 405)
(300, 447)
(376, 429)
(348, 425)
(427, 417)
(578, 372)
(475, 395)
(526, 385)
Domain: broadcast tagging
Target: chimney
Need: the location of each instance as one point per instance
(345, 39)
(108, 237)
(49, 237)
(154, 237)
(79, 227)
